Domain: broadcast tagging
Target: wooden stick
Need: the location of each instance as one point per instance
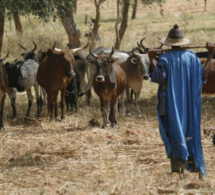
(180, 48)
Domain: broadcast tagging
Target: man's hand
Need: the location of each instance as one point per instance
(152, 52)
(210, 47)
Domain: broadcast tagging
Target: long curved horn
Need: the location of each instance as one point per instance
(22, 46)
(112, 52)
(93, 54)
(80, 48)
(161, 46)
(138, 44)
(2, 59)
(141, 43)
(54, 45)
(35, 47)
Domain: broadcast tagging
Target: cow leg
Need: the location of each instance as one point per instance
(62, 100)
(128, 113)
(113, 111)
(50, 104)
(12, 96)
(55, 94)
(104, 112)
(39, 99)
(30, 99)
(2, 100)
(44, 95)
(120, 104)
(67, 104)
(13, 104)
(88, 97)
(137, 97)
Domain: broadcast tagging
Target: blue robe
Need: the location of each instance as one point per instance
(180, 128)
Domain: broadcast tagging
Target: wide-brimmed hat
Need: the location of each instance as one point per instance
(175, 38)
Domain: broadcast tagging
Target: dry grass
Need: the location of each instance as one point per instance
(42, 157)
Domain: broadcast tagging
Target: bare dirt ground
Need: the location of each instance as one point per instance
(79, 157)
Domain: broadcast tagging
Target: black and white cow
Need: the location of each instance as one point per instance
(31, 63)
(27, 70)
(7, 79)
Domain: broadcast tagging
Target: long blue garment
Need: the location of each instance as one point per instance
(180, 129)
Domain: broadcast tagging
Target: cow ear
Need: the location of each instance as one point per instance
(111, 60)
(134, 60)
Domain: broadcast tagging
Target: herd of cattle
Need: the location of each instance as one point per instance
(109, 71)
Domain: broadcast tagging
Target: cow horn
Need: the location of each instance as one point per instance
(80, 48)
(161, 46)
(22, 46)
(15, 61)
(141, 43)
(112, 52)
(54, 45)
(35, 47)
(93, 54)
(2, 59)
(135, 53)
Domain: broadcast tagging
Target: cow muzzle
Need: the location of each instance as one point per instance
(100, 78)
(70, 74)
(20, 86)
(145, 77)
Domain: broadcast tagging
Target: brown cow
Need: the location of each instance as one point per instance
(54, 74)
(209, 86)
(109, 83)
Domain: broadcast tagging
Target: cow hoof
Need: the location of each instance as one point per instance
(2, 129)
(113, 126)
(128, 114)
(58, 120)
(140, 115)
(63, 120)
(50, 119)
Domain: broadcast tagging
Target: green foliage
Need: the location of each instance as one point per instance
(40, 8)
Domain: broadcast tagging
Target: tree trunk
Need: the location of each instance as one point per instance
(117, 44)
(124, 23)
(2, 20)
(75, 5)
(205, 5)
(96, 25)
(17, 22)
(73, 33)
(133, 16)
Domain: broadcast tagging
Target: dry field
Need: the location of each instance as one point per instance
(78, 157)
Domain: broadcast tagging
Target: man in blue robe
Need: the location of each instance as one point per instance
(180, 77)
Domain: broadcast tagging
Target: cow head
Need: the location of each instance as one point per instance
(104, 67)
(142, 61)
(14, 76)
(29, 53)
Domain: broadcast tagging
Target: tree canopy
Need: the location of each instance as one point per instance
(41, 8)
